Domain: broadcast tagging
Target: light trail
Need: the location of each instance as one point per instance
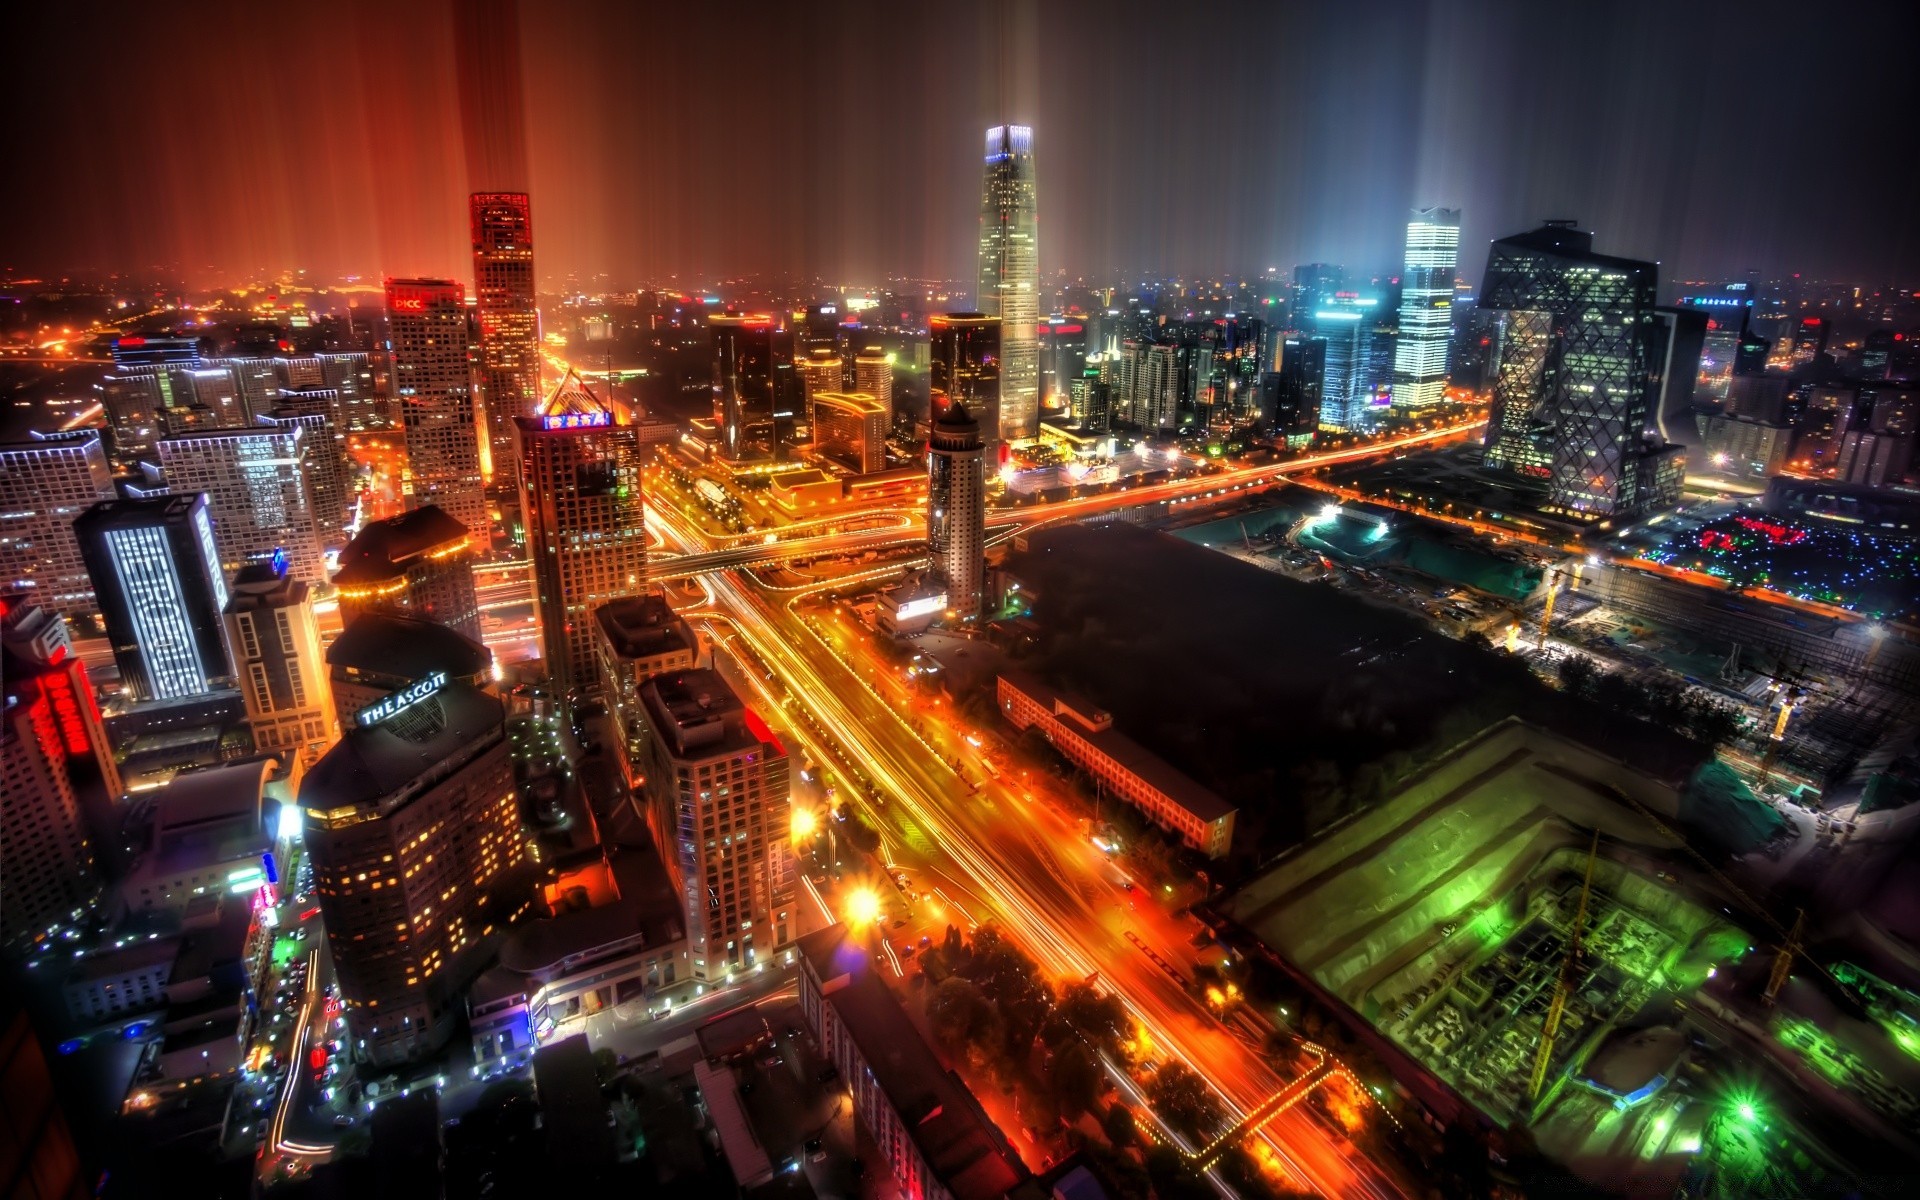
(295, 1064)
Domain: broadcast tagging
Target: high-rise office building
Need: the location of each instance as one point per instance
(1010, 279)
(151, 377)
(509, 376)
(1573, 402)
(157, 578)
(965, 368)
(1426, 308)
(850, 429)
(324, 461)
(278, 665)
(419, 563)
(873, 375)
(55, 764)
(433, 337)
(45, 482)
(259, 488)
(586, 523)
(1295, 390)
(1350, 384)
(743, 386)
(413, 831)
(820, 371)
(638, 637)
(1313, 285)
(357, 377)
(719, 806)
(957, 509)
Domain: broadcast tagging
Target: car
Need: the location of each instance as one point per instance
(342, 1120)
(310, 913)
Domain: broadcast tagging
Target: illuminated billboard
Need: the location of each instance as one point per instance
(401, 700)
(924, 607)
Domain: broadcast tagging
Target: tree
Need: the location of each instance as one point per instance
(1182, 1100)
(1120, 1126)
(862, 836)
(962, 1020)
(1577, 673)
(606, 1066)
(1075, 1078)
(1100, 1019)
(1173, 1179)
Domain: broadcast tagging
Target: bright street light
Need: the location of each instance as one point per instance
(862, 907)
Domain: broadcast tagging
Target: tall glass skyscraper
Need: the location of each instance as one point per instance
(1426, 308)
(502, 227)
(157, 576)
(1010, 276)
(1349, 326)
(965, 366)
(957, 509)
(1573, 401)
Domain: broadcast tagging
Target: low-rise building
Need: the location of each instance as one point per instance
(938, 1142)
(208, 838)
(1085, 736)
(805, 490)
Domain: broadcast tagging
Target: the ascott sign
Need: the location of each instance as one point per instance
(401, 700)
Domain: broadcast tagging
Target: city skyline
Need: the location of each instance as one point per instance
(883, 182)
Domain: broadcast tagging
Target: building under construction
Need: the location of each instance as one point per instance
(1527, 940)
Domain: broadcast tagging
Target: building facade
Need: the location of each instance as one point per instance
(419, 562)
(638, 637)
(850, 428)
(1010, 277)
(957, 510)
(434, 351)
(46, 481)
(718, 804)
(1085, 736)
(873, 376)
(55, 763)
(743, 387)
(1426, 308)
(501, 224)
(413, 829)
(278, 666)
(157, 577)
(1573, 402)
(1350, 384)
(582, 494)
(965, 368)
(259, 494)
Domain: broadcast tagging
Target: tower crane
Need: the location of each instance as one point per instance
(1543, 1058)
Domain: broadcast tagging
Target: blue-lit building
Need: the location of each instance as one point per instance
(1351, 399)
(157, 577)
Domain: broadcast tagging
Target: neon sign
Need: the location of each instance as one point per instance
(400, 701)
(592, 420)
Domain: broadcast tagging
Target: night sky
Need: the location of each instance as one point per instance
(223, 141)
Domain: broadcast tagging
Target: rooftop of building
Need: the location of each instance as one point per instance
(211, 795)
(372, 762)
(960, 1144)
(643, 626)
(407, 648)
(800, 477)
(700, 714)
(647, 906)
(1561, 238)
(1095, 726)
(383, 550)
(859, 403)
(113, 964)
(570, 1101)
(140, 510)
(260, 585)
(203, 951)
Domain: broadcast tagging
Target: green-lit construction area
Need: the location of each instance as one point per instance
(1444, 918)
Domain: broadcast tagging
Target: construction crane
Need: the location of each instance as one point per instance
(1546, 611)
(1543, 1058)
(1783, 958)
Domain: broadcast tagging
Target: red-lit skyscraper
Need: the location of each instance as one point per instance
(509, 375)
(434, 349)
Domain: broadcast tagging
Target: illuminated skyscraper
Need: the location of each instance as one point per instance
(509, 375)
(820, 371)
(1426, 308)
(419, 563)
(413, 831)
(719, 800)
(957, 509)
(965, 369)
(260, 487)
(433, 361)
(743, 386)
(873, 374)
(157, 577)
(1574, 402)
(850, 429)
(54, 764)
(1350, 385)
(1010, 279)
(586, 524)
(45, 482)
(277, 664)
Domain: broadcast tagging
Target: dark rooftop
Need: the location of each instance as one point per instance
(374, 761)
(647, 907)
(698, 711)
(384, 549)
(579, 1142)
(643, 626)
(409, 648)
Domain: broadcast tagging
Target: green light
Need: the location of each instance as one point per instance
(1748, 1113)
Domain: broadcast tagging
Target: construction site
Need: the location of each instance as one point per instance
(1524, 930)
